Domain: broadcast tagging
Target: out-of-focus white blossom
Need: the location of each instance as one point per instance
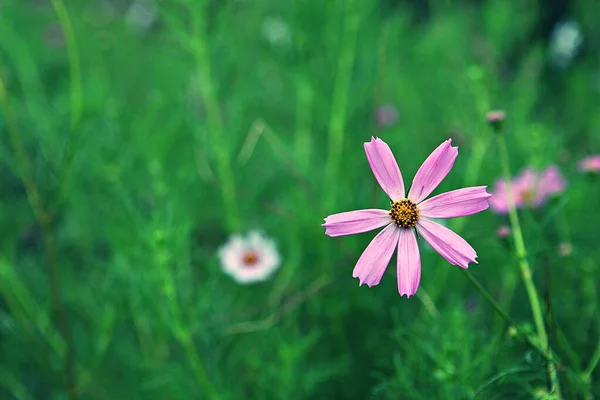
(141, 14)
(249, 259)
(565, 43)
(565, 249)
(276, 31)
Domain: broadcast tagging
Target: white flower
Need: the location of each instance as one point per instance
(141, 14)
(565, 249)
(276, 31)
(249, 259)
(565, 43)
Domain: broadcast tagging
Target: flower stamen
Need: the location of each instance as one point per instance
(527, 196)
(250, 258)
(404, 213)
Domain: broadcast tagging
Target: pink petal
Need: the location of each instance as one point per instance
(452, 247)
(433, 171)
(552, 181)
(456, 203)
(499, 200)
(385, 168)
(503, 231)
(351, 222)
(499, 204)
(409, 263)
(590, 164)
(528, 179)
(374, 260)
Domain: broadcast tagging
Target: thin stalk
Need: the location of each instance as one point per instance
(341, 91)
(217, 134)
(593, 361)
(337, 124)
(502, 313)
(428, 303)
(302, 138)
(380, 67)
(586, 375)
(285, 156)
(534, 300)
(44, 219)
(75, 77)
(182, 334)
(73, 56)
(201, 376)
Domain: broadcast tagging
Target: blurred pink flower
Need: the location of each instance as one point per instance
(407, 214)
(503, 231)
(565, 249)
(531, 189)
(249, 259)
(387, 115)
(552, 181)
(494, 117)
(590, 164)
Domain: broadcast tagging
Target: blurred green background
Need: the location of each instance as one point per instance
(137, 136)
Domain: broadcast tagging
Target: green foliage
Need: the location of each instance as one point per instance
(145, 148)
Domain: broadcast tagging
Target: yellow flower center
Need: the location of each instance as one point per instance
(404, 213)
(250, 259)
(527, 195)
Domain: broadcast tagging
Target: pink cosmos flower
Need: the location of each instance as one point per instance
(590, 164)
(531, 189)
(407, 214)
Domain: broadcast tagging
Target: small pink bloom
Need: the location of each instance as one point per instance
(499, 199)
(249, 259)
(590, 164)
(552, 181)
(531, 189)
(494, 117)
(409, 213)
(503, 231)
(565, 249)
(387, 115)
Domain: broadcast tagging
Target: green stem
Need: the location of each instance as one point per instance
(593, 361)
(201, 376)
(73, 56)
(585, 378)
(486, 295)
(525, 268)
(302, 139)
(337, 124)
(76, 104)
(339, 105)
(44, 219)
(215, 122)
(428, 303)
(178, 326)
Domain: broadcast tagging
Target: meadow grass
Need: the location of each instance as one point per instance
(135, 141)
